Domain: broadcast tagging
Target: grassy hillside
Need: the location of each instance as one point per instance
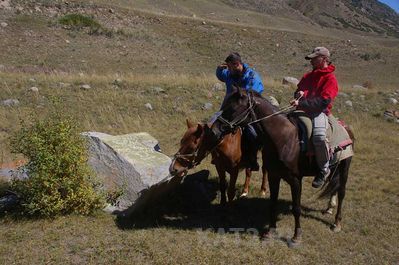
(164, 53)
(161, 42)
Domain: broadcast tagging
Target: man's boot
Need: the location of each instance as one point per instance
(322, 158)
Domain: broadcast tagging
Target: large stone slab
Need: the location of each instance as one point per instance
(131, 164)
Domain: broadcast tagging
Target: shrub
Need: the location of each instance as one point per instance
(78, 21)
(59, 177)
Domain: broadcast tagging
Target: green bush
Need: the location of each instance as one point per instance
(59, 177)
(78, 21)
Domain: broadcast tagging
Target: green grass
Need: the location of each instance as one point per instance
(78, 21)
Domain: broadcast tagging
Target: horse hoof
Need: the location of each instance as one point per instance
(269, 234)
(336, 228)
(328, 211)
(294, 243)
(244, 195)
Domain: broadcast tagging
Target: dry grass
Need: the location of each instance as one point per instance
(176, 232)
(178, 53)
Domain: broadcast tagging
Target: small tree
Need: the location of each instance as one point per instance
(59, 177)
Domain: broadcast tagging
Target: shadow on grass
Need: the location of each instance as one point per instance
(194, 205)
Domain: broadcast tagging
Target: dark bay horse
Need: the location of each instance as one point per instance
(284, 159)
(198, 141)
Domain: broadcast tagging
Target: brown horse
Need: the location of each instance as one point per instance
(284, 159)
(198, 141)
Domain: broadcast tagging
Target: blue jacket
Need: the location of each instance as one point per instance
(249, 80)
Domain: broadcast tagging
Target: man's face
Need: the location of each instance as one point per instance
(235, 68)
(318, 62)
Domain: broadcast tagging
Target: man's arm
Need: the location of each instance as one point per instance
(222, 72)
(328, 93)
(254, 82)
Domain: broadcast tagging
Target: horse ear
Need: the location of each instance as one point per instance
(199, 131)
(235, 89)
(189, 123)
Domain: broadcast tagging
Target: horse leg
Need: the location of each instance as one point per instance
(232, 184)
(296, 190)
(332, 203)
(245, 191)
(274, 187)
(263, 188)
(344, 172)
(222, 184)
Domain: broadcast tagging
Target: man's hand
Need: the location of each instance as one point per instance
(295, 102)
(223, 66)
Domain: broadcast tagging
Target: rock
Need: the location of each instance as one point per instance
(362, 97)
(3, 24)
(392, 115)
(273, 101)
(7, 174)
(148, 106)
(349, 103)
(207, 106)
(8, 202)
(64, 85)
(110, 10)
(85, 87)
(217, 87)
(5, 4)
(131, 164)
(359, 87)
(34, 89)
(118, 82)
(32, 80)
(392, 101)
(10, 102)
(290, 81)
(158, 89)
(342, 94)
(203, 23)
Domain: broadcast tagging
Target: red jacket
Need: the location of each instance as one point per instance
(320, 87)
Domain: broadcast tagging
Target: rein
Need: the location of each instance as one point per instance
(192, 163)
(244, 115)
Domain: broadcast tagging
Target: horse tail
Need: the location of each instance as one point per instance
(349, 129)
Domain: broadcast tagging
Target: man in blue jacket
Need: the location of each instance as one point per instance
(235, 72)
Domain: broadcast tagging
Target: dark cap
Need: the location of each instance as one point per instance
(233, 57)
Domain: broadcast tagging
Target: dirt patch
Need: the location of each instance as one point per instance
(5, 4)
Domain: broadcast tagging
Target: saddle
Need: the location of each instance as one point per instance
(339, 141)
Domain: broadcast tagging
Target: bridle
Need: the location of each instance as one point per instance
(237, 121)
(190, 160)
(185, 158)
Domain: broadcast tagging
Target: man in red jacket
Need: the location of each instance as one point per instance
(318, 89)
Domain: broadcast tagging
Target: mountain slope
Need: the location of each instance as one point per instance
(359, 15)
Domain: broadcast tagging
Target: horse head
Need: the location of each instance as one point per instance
(238, 108)
(192, 149)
